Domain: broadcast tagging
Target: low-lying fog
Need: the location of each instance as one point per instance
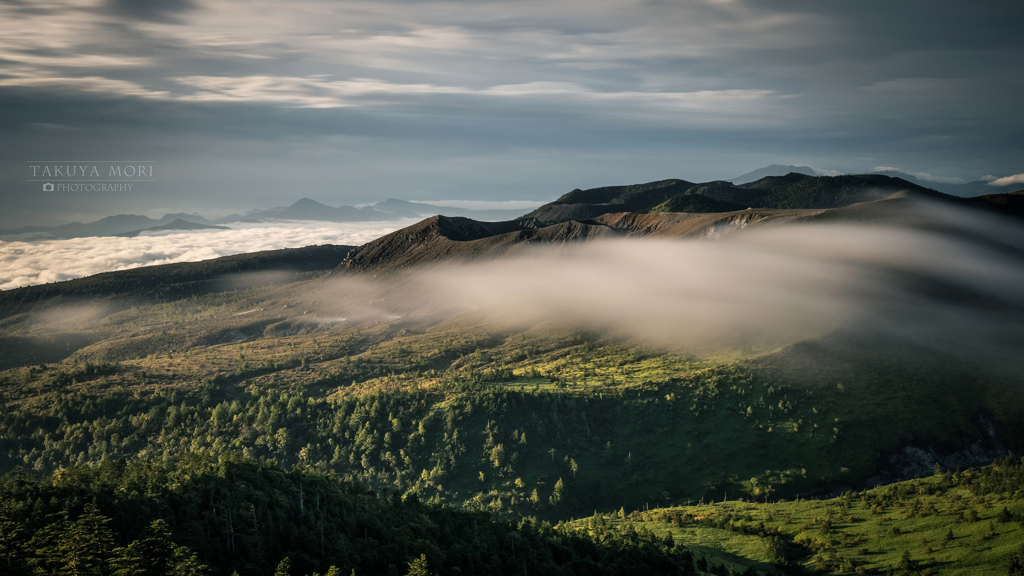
(957, 283)
(27, 262)
(954, 282)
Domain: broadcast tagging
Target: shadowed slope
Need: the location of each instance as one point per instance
(1011, 204)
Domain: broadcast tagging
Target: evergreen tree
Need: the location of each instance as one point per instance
(44, 548)
(156, 555)
(418, 567)
(87, 545)
(556, 494)
(907, 563)
(10, 535)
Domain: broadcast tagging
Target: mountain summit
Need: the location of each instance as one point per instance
(775, 170)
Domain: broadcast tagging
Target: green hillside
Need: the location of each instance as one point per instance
(960, 522)
(532, 421)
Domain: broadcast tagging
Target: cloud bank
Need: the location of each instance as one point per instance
(927, 177)
(1008, 180)
(955, 284)
(24, 263)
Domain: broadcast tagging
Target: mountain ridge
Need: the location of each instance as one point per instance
(774, 170)
(792, 191)
(177, 224)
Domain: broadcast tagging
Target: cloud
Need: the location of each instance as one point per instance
(1008, 180)
(318, 92)
(26, 262)
(921, 175)
(89, 84)
(622, 90)
(157, 10)
(950, 285)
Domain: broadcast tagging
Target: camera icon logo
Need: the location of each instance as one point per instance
(48, 187)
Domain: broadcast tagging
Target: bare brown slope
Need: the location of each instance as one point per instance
(442, 239)
(686, 225)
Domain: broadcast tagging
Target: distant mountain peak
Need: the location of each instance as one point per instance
(308, 203)
(775, 170)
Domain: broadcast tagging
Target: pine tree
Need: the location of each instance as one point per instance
(1004, 515)
(906, 563)
(46, 557)
(556, 495)
(87, 544)
(156, 555)
(10, 535)
(418, 567)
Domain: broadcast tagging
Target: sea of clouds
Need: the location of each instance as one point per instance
(25, 262)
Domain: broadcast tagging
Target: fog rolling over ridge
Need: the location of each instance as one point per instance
(953, 282)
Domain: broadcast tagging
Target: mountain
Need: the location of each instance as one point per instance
(709, 210)
(178, 224)
(774, 170)
(307, 209)
(442, 239)
(420, 208)
(194, 218)
(964, 190)
(584, 204)
(697, 204)
(791, 191)
(1010, 204)
(109, 226)
(303, 209)
(426, 209)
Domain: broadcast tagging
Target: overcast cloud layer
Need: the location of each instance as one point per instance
(23, 263)
(256, 103)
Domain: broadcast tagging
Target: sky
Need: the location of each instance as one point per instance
(238, 105)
